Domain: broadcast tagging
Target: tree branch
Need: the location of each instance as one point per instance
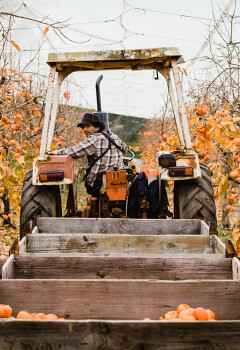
(56, 26)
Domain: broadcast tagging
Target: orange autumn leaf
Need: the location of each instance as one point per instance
(46, 30)
(37, 113)
(12, 88)
(22, 77)
(15, 45)
(67, 95)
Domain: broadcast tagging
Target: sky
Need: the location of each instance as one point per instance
(114, 24)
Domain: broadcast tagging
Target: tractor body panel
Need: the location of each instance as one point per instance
(188, 159)
(53, 164)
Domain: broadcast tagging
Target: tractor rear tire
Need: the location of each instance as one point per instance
(194, 199)
(38, 201)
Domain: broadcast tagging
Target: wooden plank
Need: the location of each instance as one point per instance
(23, 245)
(113, 335)
(121, 226)
(125, 255)
(219, 246)
(236, 268)
(120, 299)
(8, 270)
(108, 244)
(204, 228)
(35, 230)
(117, 267)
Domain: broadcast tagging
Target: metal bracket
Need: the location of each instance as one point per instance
(210, 248)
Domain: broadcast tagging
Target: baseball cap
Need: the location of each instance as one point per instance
(87, 119)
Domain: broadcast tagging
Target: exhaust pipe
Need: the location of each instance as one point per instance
(99, 106)
(102, 115)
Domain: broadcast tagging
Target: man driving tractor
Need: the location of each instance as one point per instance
(103, 149)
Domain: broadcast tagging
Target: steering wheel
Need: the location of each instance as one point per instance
(126, 161)
(133, 155)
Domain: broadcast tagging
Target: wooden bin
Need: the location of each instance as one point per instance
(104, 279)
(108, 314)
(122, 245)
(112, 267)
(122, 226)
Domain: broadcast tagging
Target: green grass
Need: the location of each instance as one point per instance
(224, 233)
(81, 195)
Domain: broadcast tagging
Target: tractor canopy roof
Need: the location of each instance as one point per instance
(115, 59)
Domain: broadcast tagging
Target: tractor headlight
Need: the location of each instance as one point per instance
(167, 160)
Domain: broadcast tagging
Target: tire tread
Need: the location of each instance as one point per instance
(195, 199)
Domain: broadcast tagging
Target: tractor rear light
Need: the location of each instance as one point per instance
(181, 171)
(51, 176)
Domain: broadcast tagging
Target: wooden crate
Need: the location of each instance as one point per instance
(122, 244)
(108, 314)
(122, 226)
(130, 267)
(120, 299)
(115, 335)
(107, 276)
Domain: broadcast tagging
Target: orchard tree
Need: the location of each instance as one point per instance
(21, 113)
(21, 121)
(215, 138)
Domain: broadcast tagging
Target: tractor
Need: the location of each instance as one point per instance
(193, 192)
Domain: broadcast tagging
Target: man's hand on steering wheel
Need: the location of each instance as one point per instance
(52, 152)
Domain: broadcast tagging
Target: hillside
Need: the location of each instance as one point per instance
(126, 127)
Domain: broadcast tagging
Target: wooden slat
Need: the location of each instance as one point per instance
(116, 267)
(219, 246)
(35, 230)
(120, 299)
(23, 245)
(122, 255)
(236, 268)
(204, 228)
(109, 335)
(122, 226)
(108, 244)
(8, 270)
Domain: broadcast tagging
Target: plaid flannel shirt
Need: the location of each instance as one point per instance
(92, 147)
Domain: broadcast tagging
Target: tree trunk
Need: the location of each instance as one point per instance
(6, 206)
(225, 217)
